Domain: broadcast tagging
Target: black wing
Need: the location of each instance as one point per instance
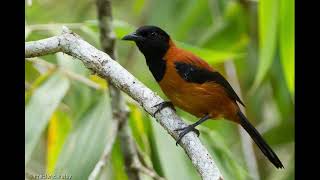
(195, 74)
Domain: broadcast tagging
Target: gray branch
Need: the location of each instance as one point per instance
(107, 40)
(129, 151)
(101, 63)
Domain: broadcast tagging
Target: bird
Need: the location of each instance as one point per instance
(193, 85)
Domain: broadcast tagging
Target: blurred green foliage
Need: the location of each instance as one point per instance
(67, 122)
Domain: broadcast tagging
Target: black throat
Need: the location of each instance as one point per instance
(157, 66)
(154, 54)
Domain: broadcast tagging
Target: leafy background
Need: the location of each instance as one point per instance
(68, 119)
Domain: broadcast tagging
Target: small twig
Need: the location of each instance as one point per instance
(45, 27)
(107, 150)
(129, 151)
(107, 40)
(133, 163)
(81, 79)
(69, 74)
(147, 171)
(247, 147)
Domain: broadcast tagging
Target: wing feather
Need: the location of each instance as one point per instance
(195, 70)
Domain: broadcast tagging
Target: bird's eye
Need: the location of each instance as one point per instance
(153, 34)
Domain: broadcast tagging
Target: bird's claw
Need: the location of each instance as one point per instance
(186, 130)
(162, 105)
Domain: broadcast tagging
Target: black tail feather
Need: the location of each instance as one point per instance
(255, 135)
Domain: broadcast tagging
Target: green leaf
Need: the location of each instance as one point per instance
(140, 127)
(117, 163)
(211, 56)
(173, 160)
(162, 14)
(286, 33)
(86, 141)
(41, 105)
(228, 31)
(138, 6)
(190, 15)
(58, 129)
(268, 21)
(31, 72)
(227, 162)
(80, 96)
(36, 83)
(122, 28)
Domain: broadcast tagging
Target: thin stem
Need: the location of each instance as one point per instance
(68, 73)
(246, 141)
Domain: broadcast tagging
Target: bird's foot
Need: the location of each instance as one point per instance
(185, 131)
(162, 105)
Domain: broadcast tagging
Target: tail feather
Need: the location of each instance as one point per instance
(255, 135)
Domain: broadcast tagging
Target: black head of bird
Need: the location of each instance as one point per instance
(151, 40)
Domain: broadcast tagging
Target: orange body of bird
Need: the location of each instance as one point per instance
(198, 99)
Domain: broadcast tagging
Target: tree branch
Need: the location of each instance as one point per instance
(129, 152)
(108, 40)
(101, 63)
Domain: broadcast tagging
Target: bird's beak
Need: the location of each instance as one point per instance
(132, 37)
